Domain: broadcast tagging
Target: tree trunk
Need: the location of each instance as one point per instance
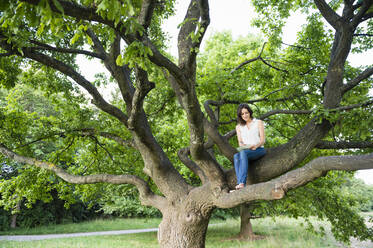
(183, 228)
(13, 223)
(246, 229)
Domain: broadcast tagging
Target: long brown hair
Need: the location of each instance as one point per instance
(239, 109)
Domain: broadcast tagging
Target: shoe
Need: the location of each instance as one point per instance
(240, 186)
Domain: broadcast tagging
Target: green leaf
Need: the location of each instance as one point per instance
(58, 6)
(119, 61)
(75, 38)
(40, 29)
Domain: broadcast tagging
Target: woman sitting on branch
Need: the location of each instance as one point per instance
(251, 138)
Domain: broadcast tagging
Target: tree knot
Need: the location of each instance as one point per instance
(278, 193)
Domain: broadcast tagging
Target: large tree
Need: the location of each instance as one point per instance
(126, 37)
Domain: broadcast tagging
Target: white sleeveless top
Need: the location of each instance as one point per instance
(250, 136)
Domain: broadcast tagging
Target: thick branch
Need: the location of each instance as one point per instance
(277, 188)
(146, 195)
(160, 60)
(209, 111)
(121, 73)
(188, 46)
(344, 145)
(328, 13)
(144, 86)
(185, 90)
(221, 141)
(230, 134)
(74, 10)
(205, 21)
(98, 100)
(146, 13)
(183, 155)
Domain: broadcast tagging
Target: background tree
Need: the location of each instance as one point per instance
(33, 200)
(47, 35)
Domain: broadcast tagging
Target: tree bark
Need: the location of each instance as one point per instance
(183, 227)
(246, 229)
(13, 223)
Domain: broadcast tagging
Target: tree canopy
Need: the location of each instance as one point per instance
(325, 101)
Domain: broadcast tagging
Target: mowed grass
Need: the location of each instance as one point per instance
(284, 232)
(88, 226)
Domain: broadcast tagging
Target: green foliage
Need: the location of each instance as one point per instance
(8, 72)
(136, 54)
(44, 214)
(4, 219)
(329, 198)
(361, 192)
(225, 214)
(128, 207)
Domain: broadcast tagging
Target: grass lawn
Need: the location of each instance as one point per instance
(88, 226)
(284, 232)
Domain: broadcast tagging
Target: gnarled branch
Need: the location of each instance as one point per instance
(277, 188)
(146, 195)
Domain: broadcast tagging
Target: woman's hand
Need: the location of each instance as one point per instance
(253, 147)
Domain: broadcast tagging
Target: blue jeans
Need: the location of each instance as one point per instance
(241, 162)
